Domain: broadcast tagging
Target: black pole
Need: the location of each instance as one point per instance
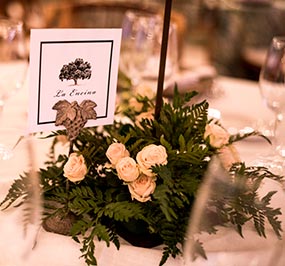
(163, 53)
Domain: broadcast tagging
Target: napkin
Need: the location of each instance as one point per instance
(199, 79)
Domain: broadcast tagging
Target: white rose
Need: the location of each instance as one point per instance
(115, 152)
(145, 115)
(127, 169)
(145, 90)
(142, 188)
(218, 136)
(151, 155)
(137, 106)
(75, 168)
(228, 156)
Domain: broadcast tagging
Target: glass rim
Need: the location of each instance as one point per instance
(14, 23)
(279, 41)
(138, 14)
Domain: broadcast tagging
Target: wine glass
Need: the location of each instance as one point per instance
(24, 222)
(13, 66)
(225, 227)
(272, 89)
(141, 45)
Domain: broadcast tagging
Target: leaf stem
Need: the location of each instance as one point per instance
(70, 147)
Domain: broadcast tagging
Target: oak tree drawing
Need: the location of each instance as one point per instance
(76, 70)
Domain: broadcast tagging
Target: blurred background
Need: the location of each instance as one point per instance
(231, 35)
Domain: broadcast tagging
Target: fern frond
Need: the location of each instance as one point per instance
(123, 211)
(16, 193)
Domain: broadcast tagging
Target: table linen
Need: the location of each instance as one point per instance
(240, 106)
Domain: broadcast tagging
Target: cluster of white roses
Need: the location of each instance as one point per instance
(137, 174)
(144, 91)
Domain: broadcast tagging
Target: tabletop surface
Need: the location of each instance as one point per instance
(239, 104)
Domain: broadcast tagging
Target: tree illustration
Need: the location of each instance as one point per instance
(76, 70)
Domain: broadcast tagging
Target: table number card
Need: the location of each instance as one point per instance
(71, 70)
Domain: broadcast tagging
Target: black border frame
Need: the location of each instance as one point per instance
(40, 74)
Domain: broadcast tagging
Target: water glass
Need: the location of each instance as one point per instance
(141, 45)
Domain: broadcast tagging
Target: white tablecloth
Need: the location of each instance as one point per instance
(240, 105)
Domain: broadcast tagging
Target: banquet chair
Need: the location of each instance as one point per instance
(105, 14)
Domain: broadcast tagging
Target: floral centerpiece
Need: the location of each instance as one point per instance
(138, 178)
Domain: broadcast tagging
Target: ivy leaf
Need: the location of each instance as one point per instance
(65, 110)
(87, 109)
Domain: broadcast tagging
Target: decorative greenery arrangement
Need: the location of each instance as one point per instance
(142, 175)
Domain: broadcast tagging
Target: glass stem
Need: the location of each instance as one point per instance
(279, 135)
(1, 113)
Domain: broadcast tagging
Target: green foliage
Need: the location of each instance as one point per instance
(101, 202)
(237, 202)
(17, 193)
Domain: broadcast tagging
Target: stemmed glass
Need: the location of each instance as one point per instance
(272, 88)
(13, 66)
(13, 73)
(141, 44)
(222, 230)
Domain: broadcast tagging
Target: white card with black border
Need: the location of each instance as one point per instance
(69, 69)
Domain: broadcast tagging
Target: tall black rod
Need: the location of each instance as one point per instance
(163, 53)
